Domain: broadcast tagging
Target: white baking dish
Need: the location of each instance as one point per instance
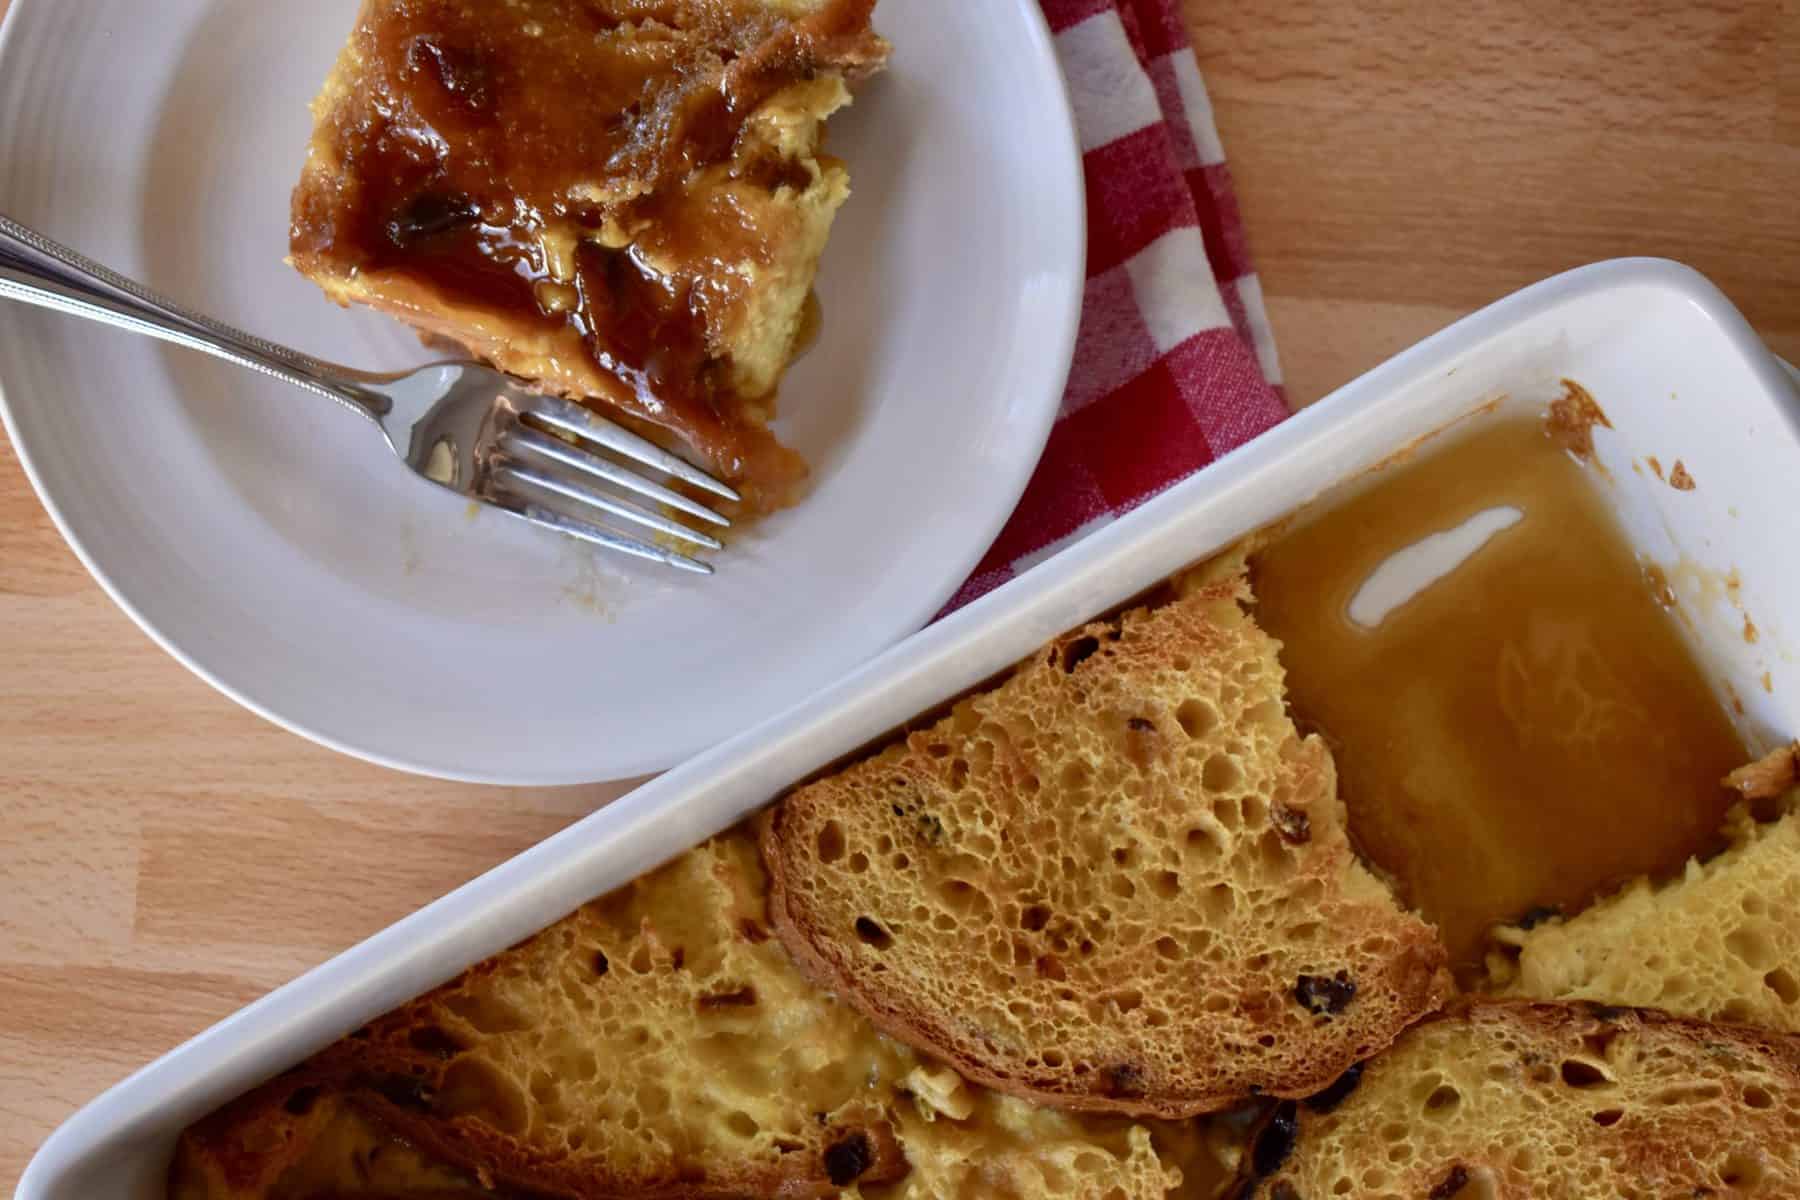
(1666, 355)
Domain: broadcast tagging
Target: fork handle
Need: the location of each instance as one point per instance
(38, 271)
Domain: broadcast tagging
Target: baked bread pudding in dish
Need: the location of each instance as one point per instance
(622, 201)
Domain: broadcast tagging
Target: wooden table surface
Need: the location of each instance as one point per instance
(167, 857)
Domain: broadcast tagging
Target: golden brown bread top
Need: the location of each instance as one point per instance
(653, 1044)
(1718, 942)
(1119, 881)
(1518, 1101)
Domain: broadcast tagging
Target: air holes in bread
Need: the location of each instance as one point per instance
(1221, 775)
(1781, 981)
(1197, 718)
(1752, 945)
(1077, 652)
(1674, 1108)
(1580, 1074)
(1743, 1169)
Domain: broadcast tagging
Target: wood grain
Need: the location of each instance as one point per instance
(168, 857)
(1401, 163)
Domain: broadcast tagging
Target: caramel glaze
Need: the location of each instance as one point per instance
(471, 130)
(1527, 733)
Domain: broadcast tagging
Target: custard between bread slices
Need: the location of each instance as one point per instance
(622, 201)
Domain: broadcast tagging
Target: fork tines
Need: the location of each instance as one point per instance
(547, 448)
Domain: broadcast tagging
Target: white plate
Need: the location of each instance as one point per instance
(1671, 361)
(269, 541)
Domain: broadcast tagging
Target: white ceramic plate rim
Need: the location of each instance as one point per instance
(1058, 355)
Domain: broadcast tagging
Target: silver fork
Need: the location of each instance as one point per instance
(460, 425)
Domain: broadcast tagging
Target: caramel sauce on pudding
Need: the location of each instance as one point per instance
(574, 172)
(1526, 732)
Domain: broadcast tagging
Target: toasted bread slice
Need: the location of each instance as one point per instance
(1516, 1101)
(658, 1043)
(655, 1043)
(1119, 881)
(1720, 942)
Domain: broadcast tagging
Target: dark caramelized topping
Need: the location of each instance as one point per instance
(644, 329)
(462, 74)
(430, 215)
(464, 138)
(518, 107)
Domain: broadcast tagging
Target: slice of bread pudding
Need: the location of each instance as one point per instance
(623, 201)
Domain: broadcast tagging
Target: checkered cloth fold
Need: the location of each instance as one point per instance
(1175, 363)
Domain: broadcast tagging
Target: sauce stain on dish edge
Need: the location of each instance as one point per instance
(1571, 420)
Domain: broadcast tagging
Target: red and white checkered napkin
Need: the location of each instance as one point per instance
(1175, 363)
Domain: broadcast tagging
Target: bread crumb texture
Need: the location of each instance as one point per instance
(660, 1043)
(1120, 881)
(1514, 1101)
(1720, 942)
